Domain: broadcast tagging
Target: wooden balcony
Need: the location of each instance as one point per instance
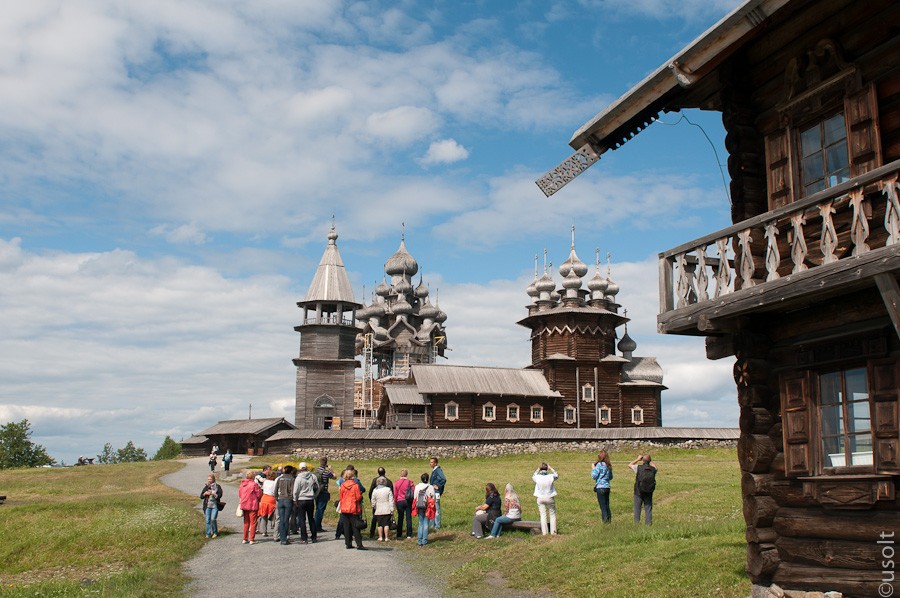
(405, 420)
(836, 241)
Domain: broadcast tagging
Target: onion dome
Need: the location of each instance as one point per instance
(402, 287)
(612, 289)
(532, 291)
(597, 283)
(402, 306)
(376, 310)
(383, 290)
(429, 311)
(627, 344)
(572, 280)
(401, 262)
(362, 314)
(573, 264)
(421, 290)
(545, 284)
(554, 296)
(441, 317)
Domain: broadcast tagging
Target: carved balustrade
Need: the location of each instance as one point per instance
(841, 223)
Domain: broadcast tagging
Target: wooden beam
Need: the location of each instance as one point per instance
(890, 293)
(718, 347)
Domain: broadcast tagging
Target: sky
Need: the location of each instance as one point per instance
(169, 172)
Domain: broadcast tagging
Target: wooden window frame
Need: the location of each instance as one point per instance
(484, 410)
(447, 407)
(566, 410)
(822, 468)
(640, 411)
(588, 397)
(536, 420)
(605, 420)
(509, 417)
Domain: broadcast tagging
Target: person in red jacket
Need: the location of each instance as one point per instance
(350, 505)
(249, 495)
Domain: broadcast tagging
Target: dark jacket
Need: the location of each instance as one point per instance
(437, 478)
(206, 498)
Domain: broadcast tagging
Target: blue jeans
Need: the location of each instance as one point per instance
(603, 499)
(284, 506)
(499, 522)
(423, 529)
(436, 523)
(321, 503)
(212, 526)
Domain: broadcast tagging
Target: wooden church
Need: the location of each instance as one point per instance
(576, 379)
(802, 289)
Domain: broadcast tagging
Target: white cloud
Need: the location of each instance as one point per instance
(446, 151)
(180, 235)
(403, 124)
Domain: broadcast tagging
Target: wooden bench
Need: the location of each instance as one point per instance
(526, 526)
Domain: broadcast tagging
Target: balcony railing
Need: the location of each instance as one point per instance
(851, 226)
(405, 420)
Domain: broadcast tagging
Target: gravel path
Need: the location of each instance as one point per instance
(323, 569)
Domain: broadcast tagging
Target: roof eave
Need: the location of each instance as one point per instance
(683, 69)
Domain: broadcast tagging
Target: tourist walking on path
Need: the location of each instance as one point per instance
(644, 485)
(284, 500)
(404, 499)
(249, 494)
(487, 512)
(350, 504)
(226, 462)
(424, 493)
(513, 511)
(382, 507)
(211, 495)
(323, 473)
(602, 474)
(381, 474)
(305, 489)
(438, 480)
(213, 460)
(545, 492)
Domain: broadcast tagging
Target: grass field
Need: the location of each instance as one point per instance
(103, 530)
(115, 530)
(696, 546)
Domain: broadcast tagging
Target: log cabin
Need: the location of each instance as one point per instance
(802, 289)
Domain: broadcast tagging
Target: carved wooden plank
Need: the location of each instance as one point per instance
(747, 268)
(798, 243)
(828, 240)
(812, 285)
(851, 582)
(859, 227)
(773, 257)
(892, 210)
(666, 301)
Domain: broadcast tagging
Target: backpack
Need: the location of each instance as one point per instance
(421, 501)
(320, 476)
(408, 495)
(646, 479)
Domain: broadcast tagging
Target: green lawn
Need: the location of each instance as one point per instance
(103, 530)
(696, 546)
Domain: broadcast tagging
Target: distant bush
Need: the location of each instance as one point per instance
(127, 454)
(169, 450)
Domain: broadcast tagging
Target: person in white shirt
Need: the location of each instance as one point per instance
(545, 492)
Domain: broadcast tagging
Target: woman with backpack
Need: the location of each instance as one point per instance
(602, 474)
(211, 495)
(404, 498)
(424, 493)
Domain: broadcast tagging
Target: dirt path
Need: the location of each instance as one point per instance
(269, 569)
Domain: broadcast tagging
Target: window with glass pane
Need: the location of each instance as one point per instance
(845, 420)
(824, 160)
(605, 415)
(570, 414)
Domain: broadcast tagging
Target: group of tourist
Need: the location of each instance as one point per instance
(293, 501)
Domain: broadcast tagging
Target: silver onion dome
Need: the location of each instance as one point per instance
(627, 344)
(402, 287)
(429, 311)
(421, 290)
(401, 263)
(383, 290)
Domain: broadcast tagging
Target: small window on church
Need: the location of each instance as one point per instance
(587, 393)
(537, 414)
(488, 412)
(605, 415)
(637, 415)
(451, 411)
(512, 412)
(569, 415)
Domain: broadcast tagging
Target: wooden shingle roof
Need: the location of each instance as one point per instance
(464, 379)
(245, 426)
(404, 394)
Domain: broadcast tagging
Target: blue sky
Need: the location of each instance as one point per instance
(168, 172)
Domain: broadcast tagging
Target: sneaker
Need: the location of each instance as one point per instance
(244, 542)
(477, 537)
(251, 542)
(361, 548)
(491, 537)
(348, 547)
(214, 536)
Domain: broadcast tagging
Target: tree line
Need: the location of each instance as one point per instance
(18, 450)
